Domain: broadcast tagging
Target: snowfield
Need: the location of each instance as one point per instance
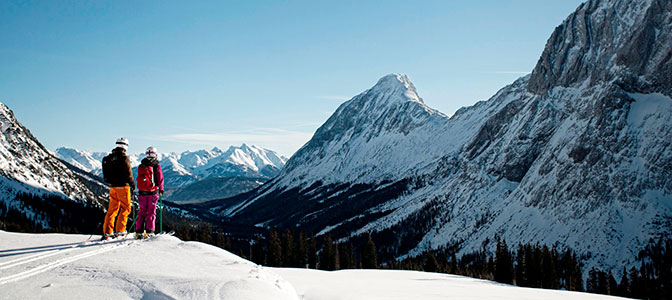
(398, 285)
(62, 266)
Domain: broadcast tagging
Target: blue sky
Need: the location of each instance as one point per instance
(197, 74)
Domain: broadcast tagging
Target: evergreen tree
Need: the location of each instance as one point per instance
(219, 239)
(577, 279)
(312, 253)
(205, 234)
(602, 283)
(636, 289)
(549, 273)
(335, 260)
(288, 251)
(570, 272)
(521, 275)
(369, 257)
(533, 266)
(227, 243)
(301, 258)
(489, 271)
(592, 282)
(274, 249)
(347, 256)
(430, 265)
(624, 285)
(258, 254)
(503, 263)
(612, 286)
(453, 264)
(329, 255)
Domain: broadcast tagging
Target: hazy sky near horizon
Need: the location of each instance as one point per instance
(198, 74)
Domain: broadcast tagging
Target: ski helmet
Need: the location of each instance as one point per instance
(122, 143)
(151, 151)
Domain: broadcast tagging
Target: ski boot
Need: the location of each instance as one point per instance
(120, 234)
(106, 236)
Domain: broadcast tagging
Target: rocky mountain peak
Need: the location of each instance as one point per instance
(398, 85)
(605, 40)
(391, 107)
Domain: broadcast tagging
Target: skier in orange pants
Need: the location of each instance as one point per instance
(118, 173)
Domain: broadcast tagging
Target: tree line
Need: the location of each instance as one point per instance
(528, 265)
(49, 213)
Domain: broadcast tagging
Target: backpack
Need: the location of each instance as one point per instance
(114, 166)
(146, 179)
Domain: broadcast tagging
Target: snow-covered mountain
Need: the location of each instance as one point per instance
(25, 162)
(26, 167)
(194, 176)
(577, 154)
(60, 266)
(190, 166)
(85, 160)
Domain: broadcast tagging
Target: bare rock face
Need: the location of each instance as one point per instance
(626, 41)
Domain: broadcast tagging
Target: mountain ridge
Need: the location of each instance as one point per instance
(254, 161)
(571, 155)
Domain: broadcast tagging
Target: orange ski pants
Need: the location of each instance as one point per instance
(120, 203)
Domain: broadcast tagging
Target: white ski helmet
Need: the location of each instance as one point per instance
(151, 151)
(122, 143)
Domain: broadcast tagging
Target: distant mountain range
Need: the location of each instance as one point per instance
(236, 170)
(578, 154)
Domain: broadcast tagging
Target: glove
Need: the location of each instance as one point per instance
(161, 194)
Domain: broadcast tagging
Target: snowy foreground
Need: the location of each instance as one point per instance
(61, 266)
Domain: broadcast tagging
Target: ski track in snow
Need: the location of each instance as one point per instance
(115, 244)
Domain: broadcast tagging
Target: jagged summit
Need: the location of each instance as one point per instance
(190, 166)
(398, 86)
(390, 108)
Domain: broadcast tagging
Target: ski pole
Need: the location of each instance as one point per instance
(160, 212)
(136, 216)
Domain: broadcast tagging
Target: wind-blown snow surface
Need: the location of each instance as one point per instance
(60, 266)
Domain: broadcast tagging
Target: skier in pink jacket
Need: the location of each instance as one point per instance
(150, 186)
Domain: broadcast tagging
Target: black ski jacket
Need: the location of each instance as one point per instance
(117, 169)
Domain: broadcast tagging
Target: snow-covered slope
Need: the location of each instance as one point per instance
(85, 160)
(59, 266)
(577, 154)
(402, 285)
(26, 166)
